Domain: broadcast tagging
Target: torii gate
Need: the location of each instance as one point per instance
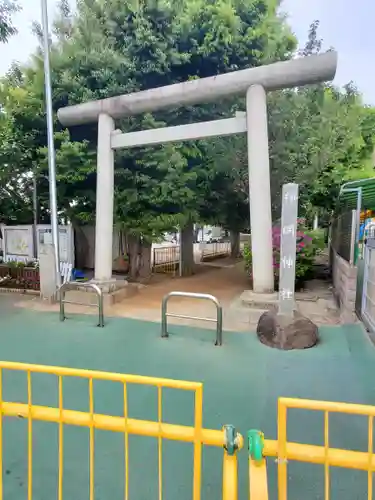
(255, 82)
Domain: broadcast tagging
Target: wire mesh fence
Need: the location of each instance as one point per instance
(343, 235)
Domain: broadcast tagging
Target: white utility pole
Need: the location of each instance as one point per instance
(51, 146)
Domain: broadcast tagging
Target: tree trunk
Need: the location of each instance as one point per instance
(121, 261)
(133, 250)
(234, 244)
(196, 233)
(145, 260)
(187, 250)
(81, 245)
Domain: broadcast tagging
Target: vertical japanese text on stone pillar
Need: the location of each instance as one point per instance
(289, 213)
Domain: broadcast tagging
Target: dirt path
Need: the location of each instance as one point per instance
(226, 283)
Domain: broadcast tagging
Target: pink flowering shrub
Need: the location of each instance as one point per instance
(306, 249)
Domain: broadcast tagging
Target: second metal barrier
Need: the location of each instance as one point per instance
(205, 296)
(326, 455)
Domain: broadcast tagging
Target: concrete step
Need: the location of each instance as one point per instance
(264, 301)
(239, 313)
(87, 296)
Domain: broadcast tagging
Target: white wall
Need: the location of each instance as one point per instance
(18, 241)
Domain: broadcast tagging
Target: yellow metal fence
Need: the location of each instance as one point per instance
(197, 435)
(211, 251)
(259, 448)
(166, 259)
(285, 451)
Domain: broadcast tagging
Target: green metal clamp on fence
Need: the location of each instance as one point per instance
(231, 439)
(255, 441)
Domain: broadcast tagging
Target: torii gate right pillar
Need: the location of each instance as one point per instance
(259, 189)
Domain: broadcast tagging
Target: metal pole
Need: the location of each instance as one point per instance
(359, 209)
(164, 331)
(180, 255)
(365, 279)
(353, 237)
(51, 148)
(219, 326)
(35, 217)
(61, 295)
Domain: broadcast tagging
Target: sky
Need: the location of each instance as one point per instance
(345, 25)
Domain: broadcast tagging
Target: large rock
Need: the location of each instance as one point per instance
(287, 333)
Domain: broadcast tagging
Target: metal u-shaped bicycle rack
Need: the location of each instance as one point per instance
(205, 296)
(64, 288)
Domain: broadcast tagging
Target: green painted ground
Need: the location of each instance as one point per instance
(242, 381)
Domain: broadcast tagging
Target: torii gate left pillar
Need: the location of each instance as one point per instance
(259, 190)
(104, 200)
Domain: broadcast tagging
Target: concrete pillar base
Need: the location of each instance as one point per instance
(113, 290)
(254, 300)
(111, 285)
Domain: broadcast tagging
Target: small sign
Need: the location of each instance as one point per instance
(289, 213)
(47, 238)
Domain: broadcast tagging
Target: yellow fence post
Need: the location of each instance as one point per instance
(1, 434)
(282, 476)
(197, 444)
(232, 443)
(258, 479)
(230, 477)
(258, 484)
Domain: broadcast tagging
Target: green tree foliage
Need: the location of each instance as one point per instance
(14, 201)
(117, 46)
(7, 9)
(319, 136)
(316, 140)
(15, 192)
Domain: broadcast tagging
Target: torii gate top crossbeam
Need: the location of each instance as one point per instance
(293, 73)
